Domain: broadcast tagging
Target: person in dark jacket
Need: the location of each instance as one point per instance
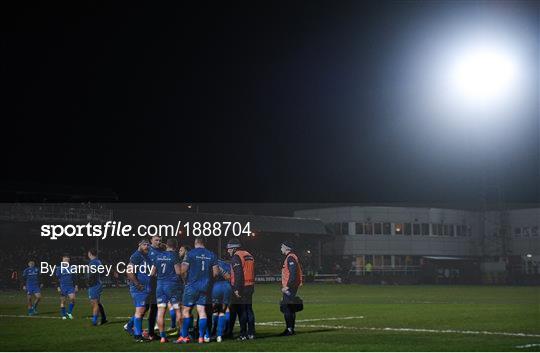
(243, 287)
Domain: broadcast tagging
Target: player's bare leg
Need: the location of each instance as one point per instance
(71, 297)
(161, 322)
(201, 311)
(29, 304)
(184, 327)
(63, 307)
(36, 302)
(222, 323)
(95, 311)
(139, 314)
(179, 317)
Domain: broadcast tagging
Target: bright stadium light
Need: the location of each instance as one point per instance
(482, 74)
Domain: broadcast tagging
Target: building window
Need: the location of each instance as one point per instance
(378, 228)
(359, 228)
(416, 229)
(369, 259)
(387, 261)
(399, 228)
(345, 228)
(425, 228)
(377, 260)
(408, 229)
(451, 230)
(434, 229)
(399, 261)
(387, 229)
(445, 229)
(369, 228)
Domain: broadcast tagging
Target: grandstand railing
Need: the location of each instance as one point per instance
(75, 213)
(405, 270)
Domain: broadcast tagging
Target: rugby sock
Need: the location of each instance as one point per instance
(173, 318)
(208, 328)
(138, 326)
(162, 334)
(185, 326)
(94, 320)
(63, 311)
(202, 327)
(131, 323)
(227, 320)
(102, 312)
(70, 309)
(221, 325)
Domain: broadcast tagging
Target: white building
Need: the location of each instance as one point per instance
(394, 237)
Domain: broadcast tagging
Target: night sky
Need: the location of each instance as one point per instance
(263, 102)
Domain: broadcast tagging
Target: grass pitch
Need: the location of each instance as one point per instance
(335, 318)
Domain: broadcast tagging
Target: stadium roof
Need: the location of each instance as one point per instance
(268, 224)
(444, 258)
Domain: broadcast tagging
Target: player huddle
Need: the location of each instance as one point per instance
(179, 280)
(183, 279)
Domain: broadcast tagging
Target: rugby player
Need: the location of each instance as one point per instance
(156, 247)
(198, 269)
(221, 297)
(32, 287)
(95, 289)
(139, 288)
(167, 270)
(67, 288)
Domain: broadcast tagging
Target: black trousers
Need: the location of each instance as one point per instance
(243, 307)
(289, 311)
(152, 315)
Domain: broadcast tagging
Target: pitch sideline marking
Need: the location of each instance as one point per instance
(405, 329)
(529, 345)
(269, 323)
(336, 327)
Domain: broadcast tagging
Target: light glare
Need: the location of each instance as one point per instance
(482, 75)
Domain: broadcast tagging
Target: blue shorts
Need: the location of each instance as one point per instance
(67, 290)
(168, 292)
(221, 293)
(193, 296)
(94, 292)
(140, 298)
(33, 289)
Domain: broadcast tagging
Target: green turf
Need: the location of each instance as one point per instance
(474, 308)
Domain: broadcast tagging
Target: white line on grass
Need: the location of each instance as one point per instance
(404, 329)
(341, 327)
(311, 320)
(529, 345)
(53, 317)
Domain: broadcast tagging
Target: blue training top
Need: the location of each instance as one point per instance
(141, 260)
(31, 274)
(200, 262)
